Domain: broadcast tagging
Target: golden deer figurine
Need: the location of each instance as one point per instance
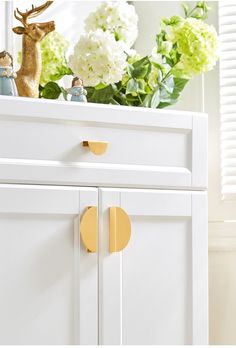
(28, 77)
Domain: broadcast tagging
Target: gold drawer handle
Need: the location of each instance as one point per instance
(96, 147)
(120, 229)
(88, 229)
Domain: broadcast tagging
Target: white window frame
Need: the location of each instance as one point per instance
(220, 210)
(6, 8)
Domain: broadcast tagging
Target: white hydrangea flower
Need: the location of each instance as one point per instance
(98, 58)
(117, 17)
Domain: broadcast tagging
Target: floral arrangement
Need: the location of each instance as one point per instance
(54, 65)
(114, 73)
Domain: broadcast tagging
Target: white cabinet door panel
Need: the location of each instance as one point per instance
(155, 290)
(48, 282)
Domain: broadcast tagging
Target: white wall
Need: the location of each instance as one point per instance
(222, 282)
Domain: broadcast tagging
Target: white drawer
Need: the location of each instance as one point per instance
(41, 142)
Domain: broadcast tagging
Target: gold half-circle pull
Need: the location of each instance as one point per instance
(120, 229)
(96, 147)
(88, 229)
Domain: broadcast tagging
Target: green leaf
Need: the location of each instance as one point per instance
(141, 62)
(160, 38)
(102, 96)
(61, 71)
(175, 20)
(152, 100)
(161, 70)
(155, 101)
(160, 75)
(142, 86)
(199, 14)
(186, 9)
(132, 86)
(121, 98)
(179, 85)
(64, 92)
(165, 21)
(169, 61)
(51, 91)
(147, 101)
(147, 89)
(203, 5)
(168, 84)
(140, 69)
(174, 56)
(130, 70)
(171, 98)
(114, 102)
(40, 91)
(135, 86)
(200, 11)
(100, 86)
(141, 72)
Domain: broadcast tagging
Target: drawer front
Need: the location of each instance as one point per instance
(51, 151)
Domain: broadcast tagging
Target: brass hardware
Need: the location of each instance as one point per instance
(120, 229)
(88, 229)
(96, 147)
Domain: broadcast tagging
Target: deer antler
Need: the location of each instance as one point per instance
(34, 12)
(22, 19)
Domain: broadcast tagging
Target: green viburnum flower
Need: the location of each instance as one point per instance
(196, 43)
(54, 64)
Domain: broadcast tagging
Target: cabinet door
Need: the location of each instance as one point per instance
(48, 282)
(155, 290)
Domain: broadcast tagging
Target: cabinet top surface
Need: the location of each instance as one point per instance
(42, 108)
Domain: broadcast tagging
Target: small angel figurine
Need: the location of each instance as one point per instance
(77, 91)
(7, 75)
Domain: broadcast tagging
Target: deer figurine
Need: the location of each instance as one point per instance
(28, 76)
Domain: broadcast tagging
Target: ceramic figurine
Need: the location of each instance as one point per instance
(77, 91)
(7, 75)
(28, 77)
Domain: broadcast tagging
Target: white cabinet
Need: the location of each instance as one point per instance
(155, 290)
(52, 290)
(48, 282)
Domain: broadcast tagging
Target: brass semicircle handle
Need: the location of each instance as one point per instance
(88, 229)
(96, 147)
(120, 229)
